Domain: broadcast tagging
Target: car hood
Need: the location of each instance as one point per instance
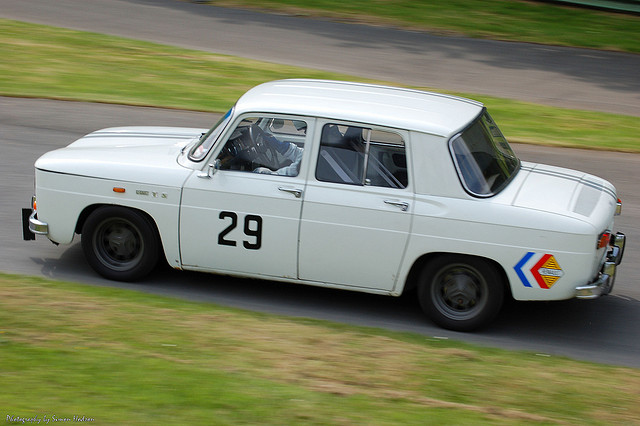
(566, 192)
(133, 154)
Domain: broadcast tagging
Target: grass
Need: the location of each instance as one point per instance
(48, 62)
(41, 61)
(120, 356)
(516, 20)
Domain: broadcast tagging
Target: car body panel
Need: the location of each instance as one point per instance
(230, 201)
(133, 154)
(400, 108)
(358, 232)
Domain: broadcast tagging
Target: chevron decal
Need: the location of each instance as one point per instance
(542, 269)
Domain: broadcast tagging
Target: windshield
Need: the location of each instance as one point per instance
(200, 150)
(483, 158)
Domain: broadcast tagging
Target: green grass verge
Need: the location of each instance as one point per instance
(41, 61)
(516, 20)
(125, 357)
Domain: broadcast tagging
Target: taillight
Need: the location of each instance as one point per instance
(603, 239)
(618, 207)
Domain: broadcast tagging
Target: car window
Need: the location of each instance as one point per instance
(262, 144)
(361, 156)
(483, 157)
(200, 150)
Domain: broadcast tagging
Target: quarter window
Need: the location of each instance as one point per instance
(362, 156)
(200, 150)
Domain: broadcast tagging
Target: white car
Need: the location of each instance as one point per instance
(344, 185)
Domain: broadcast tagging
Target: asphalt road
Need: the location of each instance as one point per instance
(577, 78)
(603, 330)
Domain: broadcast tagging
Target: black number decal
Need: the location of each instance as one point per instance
(234, 221)
(257, 232)
(252, 228)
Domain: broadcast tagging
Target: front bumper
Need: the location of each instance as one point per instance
(606, 277)
(32, 226)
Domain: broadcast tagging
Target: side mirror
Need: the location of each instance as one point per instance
(212, 168)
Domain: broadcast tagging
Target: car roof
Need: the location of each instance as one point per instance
(433, 113)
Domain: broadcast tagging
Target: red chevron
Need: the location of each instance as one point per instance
(536, 274)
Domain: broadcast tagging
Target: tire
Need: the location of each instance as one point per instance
(460, 293)
(120, 244)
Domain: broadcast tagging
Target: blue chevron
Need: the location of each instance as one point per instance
(518, 268)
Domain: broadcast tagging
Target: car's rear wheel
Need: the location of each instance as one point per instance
(460, 293)
(120, 244)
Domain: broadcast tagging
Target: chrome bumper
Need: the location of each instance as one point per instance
(31, 225)
(606, 277)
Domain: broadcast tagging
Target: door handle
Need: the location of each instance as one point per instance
(296, 192)
(403, 206)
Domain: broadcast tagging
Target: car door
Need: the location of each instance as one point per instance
(357, 209)
(241, 216)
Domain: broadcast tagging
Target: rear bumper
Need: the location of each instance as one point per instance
(603, 283)
(31, 226)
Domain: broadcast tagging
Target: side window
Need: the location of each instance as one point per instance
(387, 160)
(265, 145)
(362, 156)
(341, 157)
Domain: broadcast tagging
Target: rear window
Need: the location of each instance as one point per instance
(484, 160)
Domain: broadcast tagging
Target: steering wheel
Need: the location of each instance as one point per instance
(266, 154)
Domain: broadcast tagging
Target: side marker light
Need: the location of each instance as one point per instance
(118, 190)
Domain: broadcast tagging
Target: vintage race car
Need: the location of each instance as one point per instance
(345, 185)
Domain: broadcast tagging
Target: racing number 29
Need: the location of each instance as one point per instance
(252, 228)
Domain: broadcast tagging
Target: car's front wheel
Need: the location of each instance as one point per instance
(120, 244)
(460, 293)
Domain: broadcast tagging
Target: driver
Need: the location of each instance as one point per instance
(288, 150)
(247, 150)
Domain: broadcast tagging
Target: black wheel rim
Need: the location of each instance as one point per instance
(118, 244)
(459, 292)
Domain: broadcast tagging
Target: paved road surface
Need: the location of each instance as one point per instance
(602, 330)
(577, 78)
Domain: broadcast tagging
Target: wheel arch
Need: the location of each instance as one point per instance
(84, 214)
(88, 210)
(411, 282)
